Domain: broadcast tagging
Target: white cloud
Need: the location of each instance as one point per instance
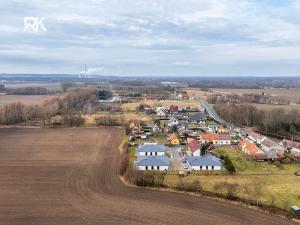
(93, 71)
(179, 33)
(297, 4)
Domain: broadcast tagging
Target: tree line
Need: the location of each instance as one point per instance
(247, 98)
(276, 122)
(64, 111)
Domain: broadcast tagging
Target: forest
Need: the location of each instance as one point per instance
(278, 123)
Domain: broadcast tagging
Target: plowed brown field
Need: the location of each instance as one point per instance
(70, 177)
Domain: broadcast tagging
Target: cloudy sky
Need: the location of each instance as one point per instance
(152, 37)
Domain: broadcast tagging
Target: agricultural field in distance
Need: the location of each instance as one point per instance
(25, 99)
(292, 94)
(50, 86)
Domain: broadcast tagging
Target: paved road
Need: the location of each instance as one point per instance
(176, 163)
(92, 193)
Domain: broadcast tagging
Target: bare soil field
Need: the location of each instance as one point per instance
(70, 176)
(26, 99)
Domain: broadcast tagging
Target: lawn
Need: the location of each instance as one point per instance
(131, 154)
(244, 165)
(279, 187)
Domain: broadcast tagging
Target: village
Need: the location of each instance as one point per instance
(183, 139)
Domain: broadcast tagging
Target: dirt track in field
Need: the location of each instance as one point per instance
(70, 177)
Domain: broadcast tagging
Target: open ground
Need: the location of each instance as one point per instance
(25, 99)
(70, 176)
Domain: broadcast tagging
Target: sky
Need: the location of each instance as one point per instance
(152, 37)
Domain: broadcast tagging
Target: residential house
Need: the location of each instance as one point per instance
(161, 112)
(173, 109)
(155, 128)
(181, 115)
(291, 146)
(223, 130)
(144, 136)
(251, 149)
(197, 118)
(174, 140)
(255, 137)
(194, 147)
(210, 138)
(185, 96)
(151, 149)
(270, 147)
(180, 96)
(208, 162)
(225, 139)
(152, 163)
(182, 127)
(213, 127)
(182, 109)
(173, 122)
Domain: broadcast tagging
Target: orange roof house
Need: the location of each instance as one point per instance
(250, 148)
(209, 138)
(174, 140)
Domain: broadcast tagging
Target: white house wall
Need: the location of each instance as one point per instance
(225, 142)
(204, 168)
(151, 153)
(197, 153)
(160, 168)
(216, 142)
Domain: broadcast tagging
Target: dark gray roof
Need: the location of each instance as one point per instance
(151, 148)
(152, 161)
(197, 117)
(208, 160)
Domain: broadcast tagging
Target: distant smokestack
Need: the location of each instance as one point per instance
(85, 70)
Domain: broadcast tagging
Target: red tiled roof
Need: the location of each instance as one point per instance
(210, 137)
(194, 145)
(255, 135)
(292, 144)
(260, 156)
(224, 136)
(174, 108)
(269, 143)
(252, 148)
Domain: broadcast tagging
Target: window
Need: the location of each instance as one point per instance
(206, 167)
(200, 167)
(212, 167)
(157, 167)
